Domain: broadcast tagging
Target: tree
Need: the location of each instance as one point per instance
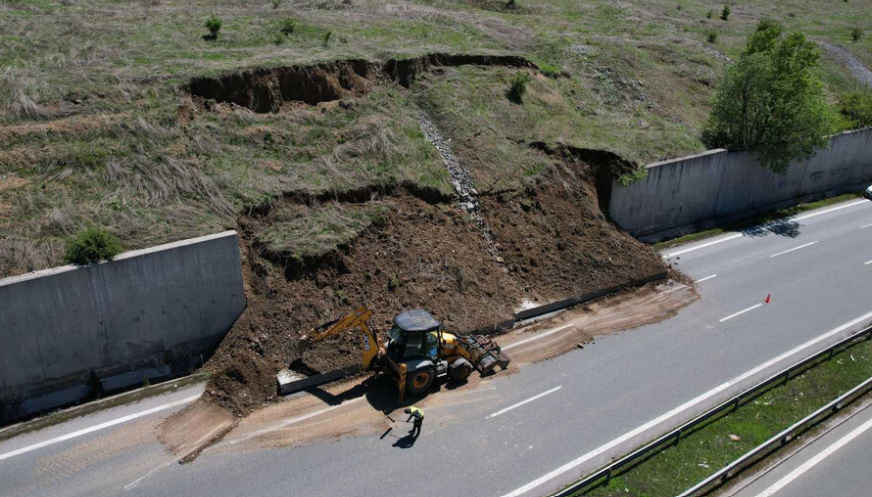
(771, 101)
(856, 108)
(92, 245)
(213, 24)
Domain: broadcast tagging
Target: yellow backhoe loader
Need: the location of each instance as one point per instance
(417, 350)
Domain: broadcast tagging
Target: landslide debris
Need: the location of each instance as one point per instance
(398, 251)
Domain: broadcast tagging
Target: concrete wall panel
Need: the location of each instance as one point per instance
(153, 310)
(715, 187)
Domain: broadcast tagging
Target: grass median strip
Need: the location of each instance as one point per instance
(715, 445)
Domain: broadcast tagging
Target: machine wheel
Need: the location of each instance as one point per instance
(460, 370)
(420, 380)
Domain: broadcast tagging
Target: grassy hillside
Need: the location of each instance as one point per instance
(97, 128)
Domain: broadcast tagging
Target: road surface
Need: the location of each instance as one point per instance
(557, 420)
(837, 463)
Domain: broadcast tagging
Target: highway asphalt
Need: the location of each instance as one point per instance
(836, 463)
(601, 400)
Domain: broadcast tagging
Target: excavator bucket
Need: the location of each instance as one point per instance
(485, 354)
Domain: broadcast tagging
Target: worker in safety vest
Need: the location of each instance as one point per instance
(418, 415)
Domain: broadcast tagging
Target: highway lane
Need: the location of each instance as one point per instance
(837, 463)
(605, 391)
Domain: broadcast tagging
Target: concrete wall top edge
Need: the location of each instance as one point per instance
(125, 255)
(686, 158)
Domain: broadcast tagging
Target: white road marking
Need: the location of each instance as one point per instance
(816, 459)
(706, 278)
(537, 336)
(867, 263)
(675, 289)
(743, 311)
(683, 407)
(519, 404)
(739, 235)
(827, 211)
(866, 226)
(101, 426)
(291, 421)
(704, 245)
(809, 244)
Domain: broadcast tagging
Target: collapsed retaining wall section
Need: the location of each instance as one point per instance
(718, 187)
(72, 332)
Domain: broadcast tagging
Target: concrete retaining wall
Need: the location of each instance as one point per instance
(716, 187)
(73, 331)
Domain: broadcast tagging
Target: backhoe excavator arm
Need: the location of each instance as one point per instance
(370, 344)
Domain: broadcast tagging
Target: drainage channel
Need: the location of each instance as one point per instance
(467, 195)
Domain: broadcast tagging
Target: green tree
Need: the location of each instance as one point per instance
(856, 108)
(213, 24)
(771, 101)
(92, 245)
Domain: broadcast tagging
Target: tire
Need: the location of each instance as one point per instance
(420, 380)
(460, 370)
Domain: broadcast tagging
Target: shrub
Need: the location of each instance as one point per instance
(213, 24)
(276, 3)
(856, 34)
(92, 245)
(511, 5)
(725, 13)
(518, 87)
(712, 36)
(772, 101)
(856, 108)
(709, 14)
(288, 26)
(327, 38)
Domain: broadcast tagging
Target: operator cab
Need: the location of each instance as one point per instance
(415, 334)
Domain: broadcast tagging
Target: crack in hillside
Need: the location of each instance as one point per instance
(467, 194)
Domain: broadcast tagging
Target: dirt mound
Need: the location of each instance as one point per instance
(553, 242)
(554, 237)
(267, 89)
(422, 255)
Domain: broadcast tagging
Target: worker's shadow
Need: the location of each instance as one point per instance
(406, 442)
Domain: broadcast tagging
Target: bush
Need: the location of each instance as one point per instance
(712, 36)
(327, 38)
(213, 24)
(90, 246)
(856, 34)
(518, 87)
(772, 101)
(288, 26)
(856, 108)
(511, 5)
(276, 3)
(725, 13)
(709, 14)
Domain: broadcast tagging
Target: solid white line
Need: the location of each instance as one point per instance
(739, 235)
(866, 226)
(537, 336)
(815, 460)
(98, 427)
(743, 311)
(519, 404)
(809, 244)
(683, 407)
(291, 421)
(867, 263)
(704, 245)
(827, 211)
(706, 278)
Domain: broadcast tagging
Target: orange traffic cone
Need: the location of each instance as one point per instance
(768, 298)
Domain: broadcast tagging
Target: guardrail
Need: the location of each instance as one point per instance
(773, 444)
(673, 437)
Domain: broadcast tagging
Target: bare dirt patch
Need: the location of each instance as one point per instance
(269, 89)
(187, 432)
